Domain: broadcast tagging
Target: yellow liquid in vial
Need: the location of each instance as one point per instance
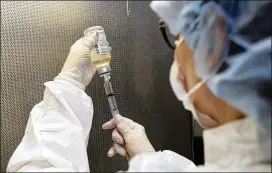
(100, 60)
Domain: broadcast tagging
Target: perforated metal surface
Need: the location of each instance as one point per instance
(35, 40)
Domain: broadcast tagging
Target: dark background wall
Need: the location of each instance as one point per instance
(35, 40)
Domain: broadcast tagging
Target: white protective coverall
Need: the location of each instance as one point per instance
(57, 131)
(236, 146)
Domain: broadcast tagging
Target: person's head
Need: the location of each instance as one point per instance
(203, 100)
(196, 97)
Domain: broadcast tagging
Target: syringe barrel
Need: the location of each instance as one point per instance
(110, 95)
(113, 106)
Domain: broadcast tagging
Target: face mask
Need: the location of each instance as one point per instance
(177, 87)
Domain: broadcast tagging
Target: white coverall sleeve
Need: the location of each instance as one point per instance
(57, 132)
(165, 161)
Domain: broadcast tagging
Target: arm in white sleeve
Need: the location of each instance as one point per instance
(165, 161)
(130, 140)
(57, 131)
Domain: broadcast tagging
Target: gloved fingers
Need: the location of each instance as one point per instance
(77, 46)
(119, 119)
(124, 125)
(117, 137)
(109, 125)
(93, 28)
(111, 152)
(119, 149)
(90, 40)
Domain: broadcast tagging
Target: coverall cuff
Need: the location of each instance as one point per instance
(66, 78)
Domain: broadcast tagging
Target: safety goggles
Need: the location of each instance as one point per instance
(162, 27)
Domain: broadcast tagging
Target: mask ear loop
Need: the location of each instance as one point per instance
(198, 85)
(195, 88)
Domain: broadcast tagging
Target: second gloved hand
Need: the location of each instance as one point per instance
(77, 68)
(129, 137)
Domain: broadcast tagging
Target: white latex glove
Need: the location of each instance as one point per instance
(128, 136)
(78, 69)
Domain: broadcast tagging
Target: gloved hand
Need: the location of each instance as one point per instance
(78, 69)
(128, 136)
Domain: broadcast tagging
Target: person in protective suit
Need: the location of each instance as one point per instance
(210, 84)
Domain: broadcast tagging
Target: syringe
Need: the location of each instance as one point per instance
(100, 58)
(110, 94)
